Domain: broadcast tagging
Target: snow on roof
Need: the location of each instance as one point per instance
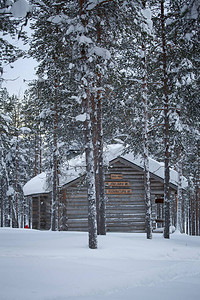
(155, 167)
(76, 168)
(37, 185)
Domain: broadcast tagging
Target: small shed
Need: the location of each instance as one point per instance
(124, 188)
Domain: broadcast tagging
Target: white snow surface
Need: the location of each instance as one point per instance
(76, 167)
(47, 265)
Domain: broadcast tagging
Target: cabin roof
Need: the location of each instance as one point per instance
(37, 185)
(75, 168)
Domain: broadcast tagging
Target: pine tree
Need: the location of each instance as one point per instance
(14, 154)
(52, 61)
(5, 121)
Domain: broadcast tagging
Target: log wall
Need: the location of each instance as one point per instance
(125, 211)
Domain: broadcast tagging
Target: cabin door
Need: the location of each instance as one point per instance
(39, 212)
(159, 211)
(42, 213)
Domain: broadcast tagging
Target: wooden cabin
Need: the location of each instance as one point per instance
(124, 188)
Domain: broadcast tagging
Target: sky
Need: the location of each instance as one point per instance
(17, 77)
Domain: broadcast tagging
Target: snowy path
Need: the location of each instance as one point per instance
(59, 266)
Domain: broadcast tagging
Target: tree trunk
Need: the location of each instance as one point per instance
(36, 155)
(186, 214)
(148, 219)
(95, 147)
(193, 223)
(101, 177)
(89, 151)
(166, 129)
(40, 151)
(55, 189)
(91, 191)
(197, 231)
(16, 214)
(2, 204)
(54, 216)
(198, 191)
(102, 198)
(179, 223)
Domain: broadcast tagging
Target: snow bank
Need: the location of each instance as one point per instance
(60, 266)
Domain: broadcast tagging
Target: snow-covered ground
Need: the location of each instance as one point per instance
(59, 266)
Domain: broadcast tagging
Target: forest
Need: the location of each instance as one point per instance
(109, 71)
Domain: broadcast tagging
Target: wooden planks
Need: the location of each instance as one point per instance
(125, 202)
(125, 210)
(118, 191)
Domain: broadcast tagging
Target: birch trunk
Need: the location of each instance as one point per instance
(90, 171)
(92, 220)
(148, 218)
